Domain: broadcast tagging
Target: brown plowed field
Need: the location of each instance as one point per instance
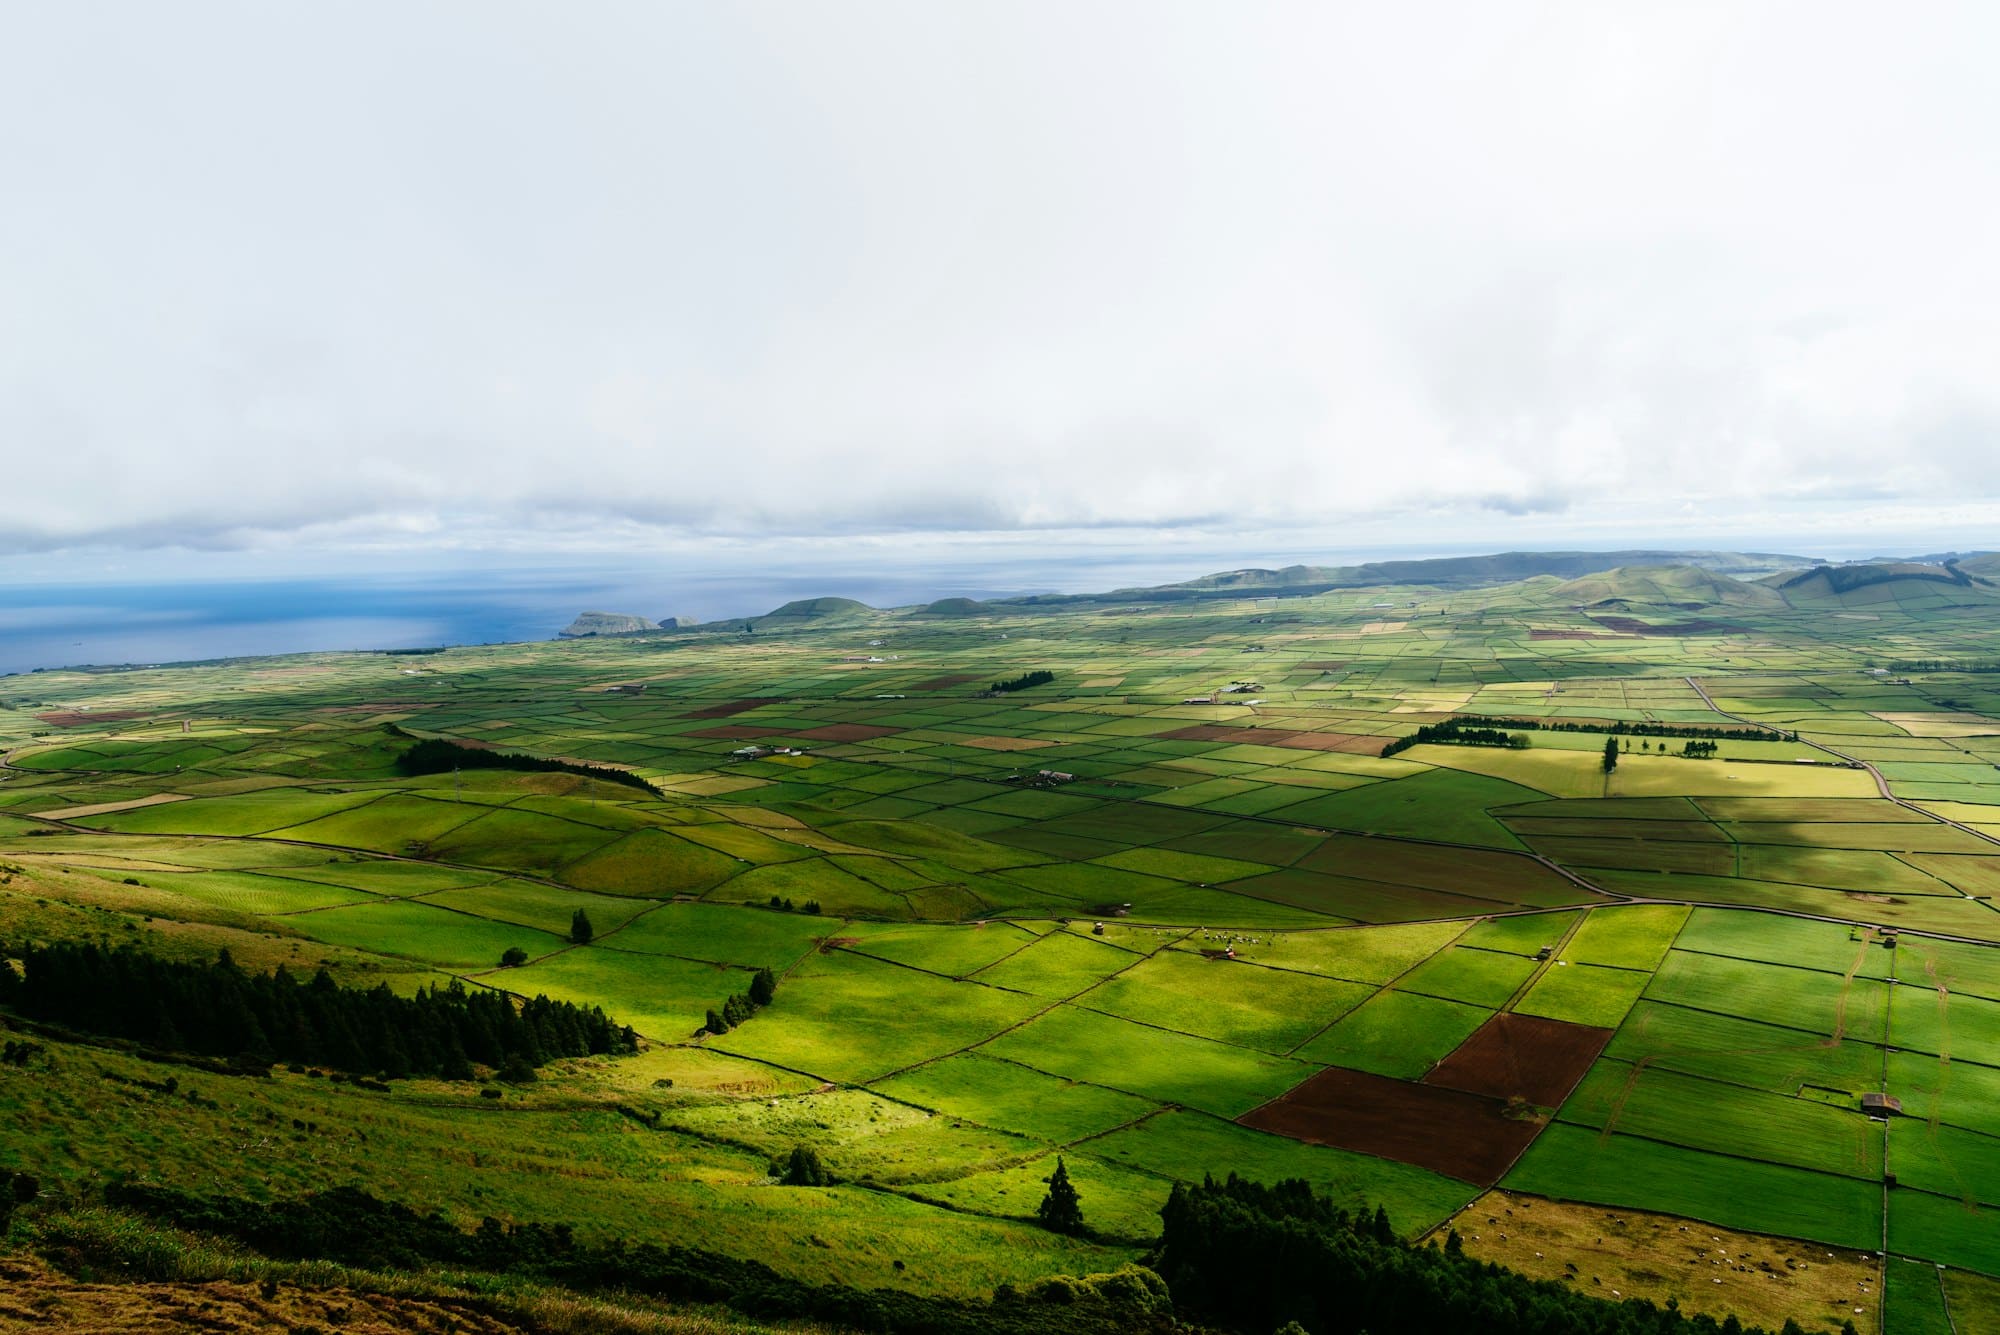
(846, 732)
(1521, 1056)
(1461, 1135)
(78, 718)
(728, 708)
(945, 682)
(1634, 626)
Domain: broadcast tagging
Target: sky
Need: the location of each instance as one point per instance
(289, 285)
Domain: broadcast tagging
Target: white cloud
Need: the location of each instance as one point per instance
(451, 274)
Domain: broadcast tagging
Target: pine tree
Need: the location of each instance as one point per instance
(1610, 754)
(1060, 1211)
(580, 929)
(762, 988)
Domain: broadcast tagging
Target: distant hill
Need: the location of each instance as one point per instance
(799, 614)
(604, 623)
(952, 607)
(1683, 588)
(1885, 581)
(1981, 563)
(1449, 572)
(1683, 579)
(817, 609)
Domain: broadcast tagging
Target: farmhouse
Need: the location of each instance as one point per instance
(759, 752)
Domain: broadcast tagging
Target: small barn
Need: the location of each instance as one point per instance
(1881, 1105)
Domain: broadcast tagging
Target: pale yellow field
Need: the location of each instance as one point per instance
(1631, 1254)
(1942, 725)
(1580, 774)
(102, 808)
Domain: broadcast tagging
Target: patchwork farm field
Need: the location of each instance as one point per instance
(1171, 913)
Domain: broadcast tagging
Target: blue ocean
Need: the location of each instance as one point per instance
(68, 624)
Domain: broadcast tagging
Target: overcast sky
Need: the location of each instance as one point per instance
(579, 276)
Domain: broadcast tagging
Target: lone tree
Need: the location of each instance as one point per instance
(513, 957)
(1610, 754)
(802, 1168)
(1060, 1211)
(580, 930)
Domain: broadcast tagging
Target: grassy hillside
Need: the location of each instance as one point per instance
(1170, 913)
(1684, 588)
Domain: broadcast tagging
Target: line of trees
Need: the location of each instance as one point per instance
(1478, 730)
(1023, 682)
(1982, 667)
(1629, 728)
(220, 1010)
(1455, 732)
(1238, 1256)
(784, 904)
(763, 990)
(435, 755)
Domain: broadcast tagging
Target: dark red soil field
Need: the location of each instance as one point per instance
(1521, 1056)
(1540, 634)
(77, 718)
(1461, 1135)
(1633, 626)
(730, 708)
(1222, 732)
(945, 682)
(846, 732)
